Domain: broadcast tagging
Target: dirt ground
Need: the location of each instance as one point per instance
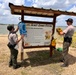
(36, 61)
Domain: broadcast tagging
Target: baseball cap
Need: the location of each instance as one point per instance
(10, 27)
(69, 20)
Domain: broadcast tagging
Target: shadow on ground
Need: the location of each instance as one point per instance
(72, 59)
(39, 58)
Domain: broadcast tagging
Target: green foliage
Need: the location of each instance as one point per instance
(74, 40)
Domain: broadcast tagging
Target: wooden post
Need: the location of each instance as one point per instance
(22, 50)
(54, 22)
(22, 15)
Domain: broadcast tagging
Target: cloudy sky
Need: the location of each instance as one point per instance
(66, 5)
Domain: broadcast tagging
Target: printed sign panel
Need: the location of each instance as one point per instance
(38, 34)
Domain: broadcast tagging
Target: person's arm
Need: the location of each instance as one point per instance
(64, 31)
(16, 40)
(16, 29)
(22, 36)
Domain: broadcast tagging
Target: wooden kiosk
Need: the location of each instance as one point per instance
(38, 12)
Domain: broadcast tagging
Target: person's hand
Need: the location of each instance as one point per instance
(58, 30)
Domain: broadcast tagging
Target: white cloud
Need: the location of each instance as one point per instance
(57, 4)
(6, 16)
(43, 3)
(46, 2)
(5, 3)
(54, 4)
(67, 2)
(73, 9)
(61, 19)
(19, 2)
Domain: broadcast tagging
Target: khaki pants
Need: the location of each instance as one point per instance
(65, 52)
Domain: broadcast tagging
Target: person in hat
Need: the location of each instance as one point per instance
(13, 46)
(68, 33)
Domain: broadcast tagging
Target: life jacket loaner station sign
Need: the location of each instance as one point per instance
(38, 34)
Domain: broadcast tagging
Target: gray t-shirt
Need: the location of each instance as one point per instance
(69, 31)
(12, 39)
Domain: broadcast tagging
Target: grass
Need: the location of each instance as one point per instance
(74, 40)
(60, 39)
(23, 73)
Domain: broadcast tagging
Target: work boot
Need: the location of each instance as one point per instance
(64, 65)
(10, 65)
(17, 66)
(61, 60)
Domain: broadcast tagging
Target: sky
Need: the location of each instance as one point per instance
(65, 5)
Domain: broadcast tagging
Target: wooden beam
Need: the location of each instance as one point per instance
(39, 22)
(54, 22)
(25, 47)
(22, 15)
(32, 9)
(31, 14)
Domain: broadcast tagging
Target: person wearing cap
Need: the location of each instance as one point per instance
(68, 33)
(13, 46)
